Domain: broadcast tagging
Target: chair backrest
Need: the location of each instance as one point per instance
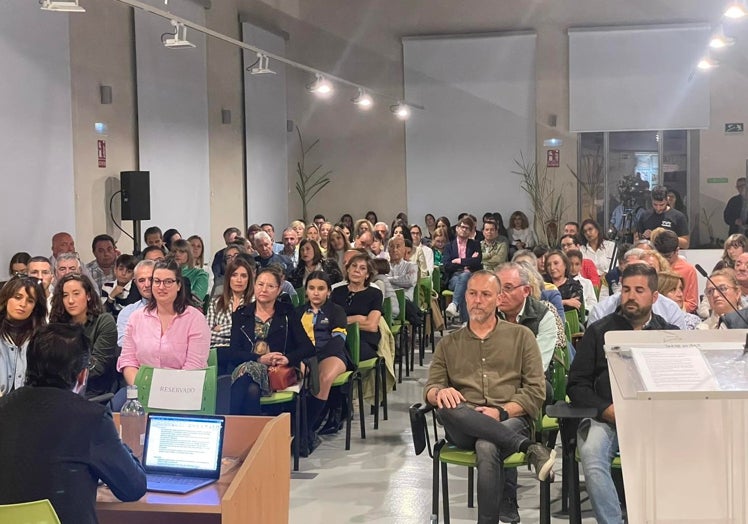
(387, 311)
(213, 357)
(353, 342)
(400, 294)
(301, 291)
(425, 285)
(572, 320)
(36, 512)
(295, 300)
(436, 279)
(145, 376)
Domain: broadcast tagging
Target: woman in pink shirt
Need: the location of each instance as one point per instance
(168, 332)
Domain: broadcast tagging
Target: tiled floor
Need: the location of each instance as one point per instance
(381, 480)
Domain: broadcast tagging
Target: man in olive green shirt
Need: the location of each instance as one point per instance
(487, 382)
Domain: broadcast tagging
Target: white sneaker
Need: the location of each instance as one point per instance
(452, 310)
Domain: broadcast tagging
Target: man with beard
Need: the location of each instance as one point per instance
(589, 386)
(486, 381)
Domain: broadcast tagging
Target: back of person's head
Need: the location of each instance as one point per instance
(667, 282)
(525, 254)
(641, 269)
(56, 355)
(381, 266)
(168, 235)
(666, 242)
(540, 250)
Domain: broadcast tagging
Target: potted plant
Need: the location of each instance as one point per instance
(309, 183)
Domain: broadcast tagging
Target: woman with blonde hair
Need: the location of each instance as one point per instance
(735, 245)
(521, 235)
(337, 245)
(670, 285)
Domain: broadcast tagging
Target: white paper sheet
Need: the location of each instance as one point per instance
(177, 389)
(674, 369)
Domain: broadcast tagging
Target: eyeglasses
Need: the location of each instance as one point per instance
(231, 257)
(462, 226)
(722, 289)
(144, 280)
(167, 282)
(508, 288)
(264, 285)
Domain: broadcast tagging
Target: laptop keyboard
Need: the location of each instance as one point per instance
(174, 480)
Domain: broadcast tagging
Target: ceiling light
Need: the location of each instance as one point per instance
(719, 40)
(707, 63)
(401, 110)
(321, 86)
(261, 67)
(736, 10)
(64, 6)
(363, 100)
(179, 38)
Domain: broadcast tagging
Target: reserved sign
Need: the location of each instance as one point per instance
(177, 389)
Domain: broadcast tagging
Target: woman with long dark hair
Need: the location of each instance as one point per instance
(75, 300)
(168, 332)
(310, 261)
(594, 247)
(237, 292)
(23, 308)
(267, 332)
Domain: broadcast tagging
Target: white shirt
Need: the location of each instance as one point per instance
(590, 299)
(601, 257)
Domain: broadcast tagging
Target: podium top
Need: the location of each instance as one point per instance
(678, 365)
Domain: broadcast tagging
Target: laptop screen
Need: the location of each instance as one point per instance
(184, 444)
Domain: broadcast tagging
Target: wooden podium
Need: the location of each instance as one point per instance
(255, 490)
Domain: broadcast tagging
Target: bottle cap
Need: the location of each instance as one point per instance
(132, 392)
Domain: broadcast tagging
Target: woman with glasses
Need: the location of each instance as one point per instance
(310, 260)
(75, 300)
(238, 293)
(198, 277)
(723, 293)
(23, 308)
(267, 332)
(19, 264)
(167, 332)
(362, 304)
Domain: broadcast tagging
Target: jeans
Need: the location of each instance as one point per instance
(458, 284)
(597, 443)
(493, 441)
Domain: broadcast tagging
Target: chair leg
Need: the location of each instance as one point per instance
(445, 492)
(575, 505)
(349, 419)
(545, 502)
(413, 334)
(471, 487)
(399, 354)
(377, 388)
(383, 368)
(298, 433)
(404, 335)
(435, 480)
(359, 381)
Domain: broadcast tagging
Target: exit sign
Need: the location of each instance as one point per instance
(734, 128)
(716, 180)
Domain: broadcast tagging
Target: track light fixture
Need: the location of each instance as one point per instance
(179, 37)
(62, 6)
(261, 66)
(736, 10)
(401, 110)
(363, 100)
(321, 86)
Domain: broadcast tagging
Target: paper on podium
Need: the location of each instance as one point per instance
(177, 389)
(679, 368)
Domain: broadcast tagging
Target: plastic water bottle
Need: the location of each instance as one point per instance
(132, 422)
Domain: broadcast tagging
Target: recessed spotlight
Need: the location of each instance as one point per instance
(736, 10)
(363, 100)
(63, 6)
(707, 63)
(401, 110)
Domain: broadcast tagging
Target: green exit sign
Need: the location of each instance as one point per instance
(716, 180)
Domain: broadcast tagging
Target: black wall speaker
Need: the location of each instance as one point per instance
(136, 195)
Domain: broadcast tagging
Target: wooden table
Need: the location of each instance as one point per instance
(256, 490)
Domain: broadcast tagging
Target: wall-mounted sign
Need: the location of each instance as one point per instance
(101, 150)
(721, 180)
(734, 128)
(553, 158)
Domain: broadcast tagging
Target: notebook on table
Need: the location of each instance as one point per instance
(182, 452)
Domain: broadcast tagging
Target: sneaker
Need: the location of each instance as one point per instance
(452, 310)
(509, 511)
(542, 460)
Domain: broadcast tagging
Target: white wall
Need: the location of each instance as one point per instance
(479, 97)
(36, 150)
(265, 120)
(173, 122)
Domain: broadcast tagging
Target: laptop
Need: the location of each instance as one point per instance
(182, 452)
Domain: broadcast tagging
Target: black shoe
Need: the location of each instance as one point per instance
(334, 423)
(541, 459)
(303, 448)
(509, 511)
(314, 442)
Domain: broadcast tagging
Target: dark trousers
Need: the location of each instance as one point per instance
(493, 441)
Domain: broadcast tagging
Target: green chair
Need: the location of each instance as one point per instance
(364, 367)
(444, 453)
(572, 320)
(401, 325)
(293, 398)
(423, 294)
(213, 357)
(36, 512)
(345, 381)
(145, 376)
(295, 300)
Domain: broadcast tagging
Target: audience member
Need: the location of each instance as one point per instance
(381, 280)
(377, 247)
(494, 249)
(198, 277)
(266, 332)
(461, 257)
(597, 249)
(734, 246)
(571, 228)
(120, 292)
(40, 268)
(438, 242)
(266, 256)
(383, 229)
(733, 214)
(19, 264)
(338, 245)
(143, 275)
(371, 216)
(290, 245)
(310, 261)
(430, 222)
(102, 268)
(422, 254)
(218, 266)
(492, 416)
(237, 294)
(153, 253)
(444, 223)
(663, 216)
(557, 269)
(723, 294)
(670, 285)
(75, 301)
(324, 236)
(23, 309)
(575, 268)
(318, 220)
(154, 237)
(167, 332)
(521, 235)
(589, 385)
(56, 445)
(312, 232)
(588, 269)
(347, 220)
(404, 275)
(61, 243)
(666, 243)
(171, 236)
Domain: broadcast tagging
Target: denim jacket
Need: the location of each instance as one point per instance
(12, 365)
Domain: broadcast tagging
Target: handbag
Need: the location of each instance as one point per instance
(282, 377)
